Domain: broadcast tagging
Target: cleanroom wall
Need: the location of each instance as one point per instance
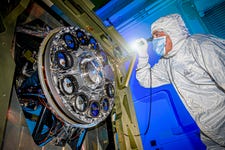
(163, 119)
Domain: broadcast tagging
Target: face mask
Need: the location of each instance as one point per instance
(159, 45)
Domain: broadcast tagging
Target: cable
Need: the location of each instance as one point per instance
(150, 100)
(150, 108)
(150, 103)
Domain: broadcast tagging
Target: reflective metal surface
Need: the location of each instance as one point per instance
(70, 63)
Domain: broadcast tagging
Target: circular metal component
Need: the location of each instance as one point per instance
(71, 76)
(93, 43)
(64, 60)
(110, 90)
(69, 84)
(71, 43)
(94, 109)
(105, 104)
(93, 73)
(82, 37)
(80, 102)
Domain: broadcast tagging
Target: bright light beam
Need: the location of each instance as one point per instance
(134, 46)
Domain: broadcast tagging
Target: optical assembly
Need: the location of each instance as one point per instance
(70, 86)
(76, 77)
(67, 88)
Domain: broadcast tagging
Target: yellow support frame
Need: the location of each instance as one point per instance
(126, 123)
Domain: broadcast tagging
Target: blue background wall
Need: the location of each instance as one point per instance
(164, 122)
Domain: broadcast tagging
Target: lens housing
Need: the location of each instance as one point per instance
(77, 82)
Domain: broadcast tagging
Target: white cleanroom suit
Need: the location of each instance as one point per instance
(196, 68)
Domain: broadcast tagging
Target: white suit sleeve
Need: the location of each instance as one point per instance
(148, 77)
(212, 58)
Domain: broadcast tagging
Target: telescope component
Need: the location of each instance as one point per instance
(76, 77)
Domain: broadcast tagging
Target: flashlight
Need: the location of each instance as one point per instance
(136, 44)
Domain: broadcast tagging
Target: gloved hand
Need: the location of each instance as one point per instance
(142, 47)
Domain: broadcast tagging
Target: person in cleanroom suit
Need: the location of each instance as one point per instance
(195, 65)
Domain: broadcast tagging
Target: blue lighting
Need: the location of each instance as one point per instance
(164, 122)
(94, 109)
(69, 41)
(105, 104)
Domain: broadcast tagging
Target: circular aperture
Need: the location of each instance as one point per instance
(69, 84)
(80, 102)
(105, 104)
(93, 42)
(110, 90)
(64, 60)
(70, 41)
(94, 109)
(82, 37)
(94, 72)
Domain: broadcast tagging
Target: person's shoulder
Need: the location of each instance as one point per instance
(199, 37)
(204, 39)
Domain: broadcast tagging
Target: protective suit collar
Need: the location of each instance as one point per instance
(174, 26)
